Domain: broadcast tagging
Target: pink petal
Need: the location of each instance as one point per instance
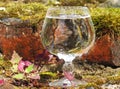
(21, 66)
(69, 75)
(34, 76)
(27, 63)
(1, 82)
(50, 57)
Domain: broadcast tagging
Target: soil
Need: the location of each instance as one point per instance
(95, 75)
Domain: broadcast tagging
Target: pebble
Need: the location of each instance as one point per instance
(110, 86)
(2, 8)
(90, 88)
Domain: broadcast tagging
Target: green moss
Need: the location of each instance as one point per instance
(5, 63)
(81, 2)
(89, 85)
(113, 79)
(49, 75)
(106, 20)
(97, 81)
(30, 11)
(1, 60)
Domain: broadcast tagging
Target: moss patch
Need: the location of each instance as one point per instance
(106, 20)
(30, 11)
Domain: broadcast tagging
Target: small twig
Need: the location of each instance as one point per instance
(40, 67)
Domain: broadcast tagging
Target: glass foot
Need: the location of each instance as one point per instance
(64, 82)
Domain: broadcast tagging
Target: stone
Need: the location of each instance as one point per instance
(115, 49)
(23, 38)
(2, 8)
(7, 86)
(111, 3)
(110, 86)
(19, 35)
(54, 67)
(105, 51)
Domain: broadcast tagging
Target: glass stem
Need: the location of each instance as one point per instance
(68, 67)
(68, 71)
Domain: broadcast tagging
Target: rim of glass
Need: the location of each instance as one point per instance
(56, 7)
(68, 10)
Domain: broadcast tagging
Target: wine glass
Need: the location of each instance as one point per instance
(67, 32)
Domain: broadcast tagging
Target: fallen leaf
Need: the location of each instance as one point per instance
(15, 58)
(14, 68)
(18, 76)
(34, 75)
(29, 69)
